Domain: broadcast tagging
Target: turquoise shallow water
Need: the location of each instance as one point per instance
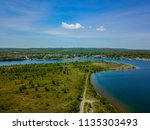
(128, 89)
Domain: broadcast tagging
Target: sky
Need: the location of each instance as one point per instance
(75, 23)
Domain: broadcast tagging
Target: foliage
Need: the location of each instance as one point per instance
(46, 88)
(59, 53)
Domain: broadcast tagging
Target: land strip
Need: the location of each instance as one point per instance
(56, 87)
(84, 95)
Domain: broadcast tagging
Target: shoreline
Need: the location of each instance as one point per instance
(120, 108)
(143, 59)
(115, 104)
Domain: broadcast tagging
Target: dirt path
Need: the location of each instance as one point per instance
(84, 95)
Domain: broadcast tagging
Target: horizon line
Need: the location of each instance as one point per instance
(70, 48)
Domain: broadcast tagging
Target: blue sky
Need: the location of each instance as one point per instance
(75, 23)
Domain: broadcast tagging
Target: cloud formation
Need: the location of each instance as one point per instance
(71, 26)
(101, 29)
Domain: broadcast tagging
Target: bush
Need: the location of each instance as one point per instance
(46, 89)
(38, 96)
(53, 82)
(22, 88)
(65, 90)
(73, 106)
(36, 89)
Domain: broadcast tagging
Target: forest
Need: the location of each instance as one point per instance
(61, 53)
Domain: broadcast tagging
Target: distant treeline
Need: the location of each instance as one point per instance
(58, 53)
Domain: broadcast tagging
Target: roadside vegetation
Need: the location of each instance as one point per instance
(56, 87)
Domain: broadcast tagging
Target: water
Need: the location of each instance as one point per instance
(7, 63)
(128, 89)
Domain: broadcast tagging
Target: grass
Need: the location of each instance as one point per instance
(56, 87)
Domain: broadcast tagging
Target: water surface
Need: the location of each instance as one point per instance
(129, 89)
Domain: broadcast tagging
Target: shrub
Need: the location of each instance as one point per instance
(36, 89)
(38, 96)
(65, 90)
(46, 89)
(22, 88)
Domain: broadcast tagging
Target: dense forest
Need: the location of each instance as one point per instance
(58, 53)
(56, 87)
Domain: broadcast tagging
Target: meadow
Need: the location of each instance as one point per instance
(56, 87)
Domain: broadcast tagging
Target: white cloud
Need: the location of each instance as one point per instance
(71, 26)
(101, 29)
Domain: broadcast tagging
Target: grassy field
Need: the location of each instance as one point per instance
(56, 87)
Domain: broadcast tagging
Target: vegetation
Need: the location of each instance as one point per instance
(56, 87)
(97, 103)
(59, 53)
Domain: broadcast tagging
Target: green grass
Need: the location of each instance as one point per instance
(56, 87)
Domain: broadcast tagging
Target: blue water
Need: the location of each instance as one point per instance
(128, 89)
(7, 63)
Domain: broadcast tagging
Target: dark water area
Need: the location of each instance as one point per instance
(127, 89)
